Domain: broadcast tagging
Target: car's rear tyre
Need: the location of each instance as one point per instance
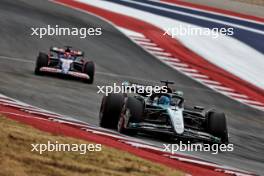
(42, 61)
(217, 126)
(134, 109)
(89, 69)
(110, 110)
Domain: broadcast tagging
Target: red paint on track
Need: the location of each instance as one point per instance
(217, 10)
(68, 130)
(174, 47)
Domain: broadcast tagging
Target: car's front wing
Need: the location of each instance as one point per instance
(59, 71)
(168, 130)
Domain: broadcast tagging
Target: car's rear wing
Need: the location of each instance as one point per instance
(61, 50)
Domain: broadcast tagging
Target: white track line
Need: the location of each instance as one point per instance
(178, 64)
(190, 70)
(146, 43)
(138, 36)
(142, 39)
(153, 48)
(207, 81)
(168, 58)
(235, 95)
(16, 59)
(160, 53)
(250, 102)
(196, 75)
(258, 107)
(221, 88)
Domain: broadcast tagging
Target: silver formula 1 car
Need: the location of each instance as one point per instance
(162, 113)
(65, 61)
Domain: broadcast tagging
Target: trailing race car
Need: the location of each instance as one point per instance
(162, 113)
(67, 62)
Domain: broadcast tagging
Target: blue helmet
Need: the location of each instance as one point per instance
(164, 100)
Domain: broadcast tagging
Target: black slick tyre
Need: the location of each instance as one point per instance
(42, 61)
(89, 69)
(110, 110)
(217, 126)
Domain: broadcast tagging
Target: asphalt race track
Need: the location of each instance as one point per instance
(116, 59)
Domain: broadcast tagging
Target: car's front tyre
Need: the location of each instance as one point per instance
(42, 61)
(217, 126)
(89, 69)
(110, 110)
(132, 112)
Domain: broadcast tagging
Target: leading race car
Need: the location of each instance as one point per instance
(65, 61)
(162, 113)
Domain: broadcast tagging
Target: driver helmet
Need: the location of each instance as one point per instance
(164, 100)
(67, 55)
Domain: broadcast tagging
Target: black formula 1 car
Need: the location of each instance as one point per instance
(162, 113)
(65, 61)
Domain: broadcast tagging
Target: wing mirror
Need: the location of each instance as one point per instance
(179, 93)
